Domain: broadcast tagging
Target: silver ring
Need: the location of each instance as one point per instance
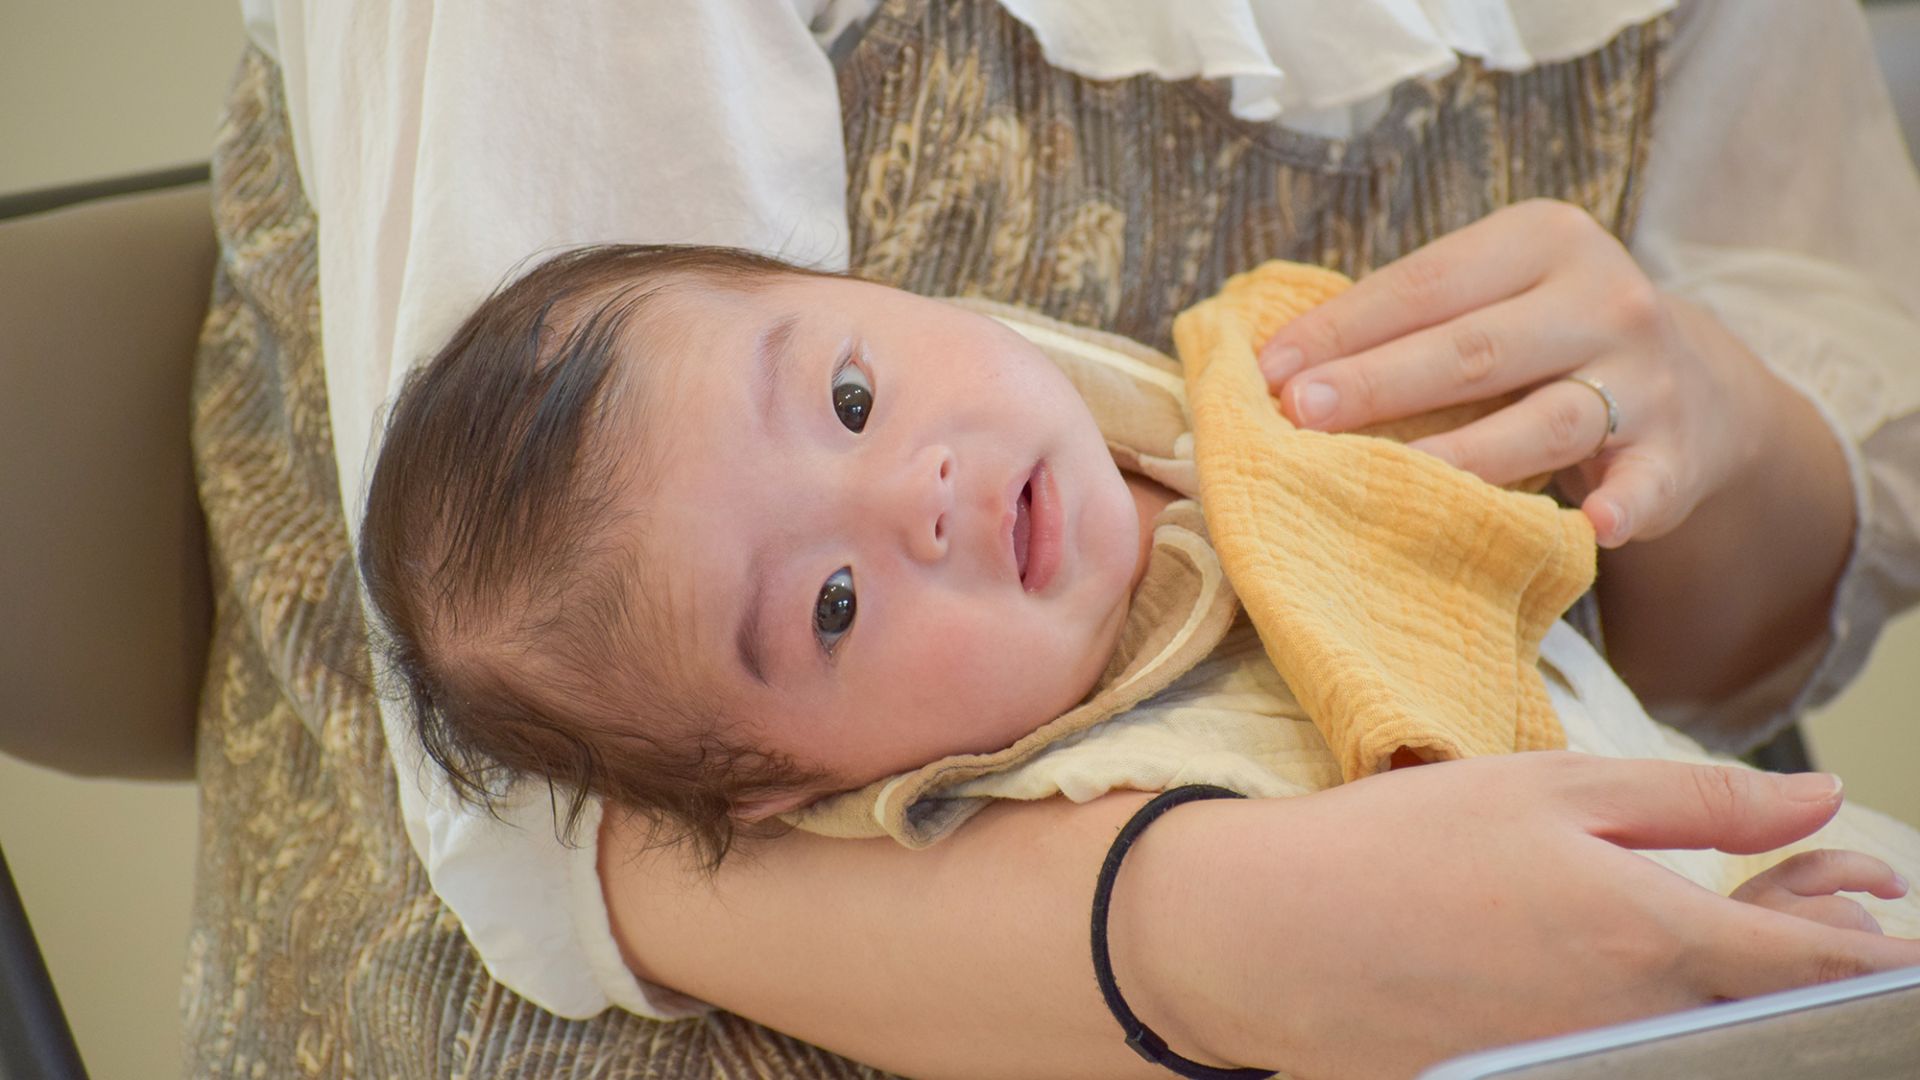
(1613, 408)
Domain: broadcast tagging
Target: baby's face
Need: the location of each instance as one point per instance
(890, 526)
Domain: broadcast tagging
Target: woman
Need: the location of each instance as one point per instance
(1489, 899)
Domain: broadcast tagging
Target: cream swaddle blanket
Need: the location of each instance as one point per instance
(1192, 696)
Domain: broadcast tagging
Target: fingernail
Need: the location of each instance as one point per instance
(1811, 786)
(1615, 514)
(1900, 885)
(1281, 363)
(1315, 402)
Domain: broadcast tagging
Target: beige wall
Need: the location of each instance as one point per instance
(1871, 736)
(104, 87)
(94, 88)
(106, 872)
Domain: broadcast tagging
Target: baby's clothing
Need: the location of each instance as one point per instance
(1192, 697)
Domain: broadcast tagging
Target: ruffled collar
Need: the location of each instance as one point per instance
(1324, 67)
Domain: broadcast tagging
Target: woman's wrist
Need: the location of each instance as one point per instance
(1140, 1035)
(1783, 513)
(1177, 934)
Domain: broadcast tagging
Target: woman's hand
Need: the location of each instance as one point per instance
(1369, 930)
(1515, 302)
(1805, 885)
(1383, 925)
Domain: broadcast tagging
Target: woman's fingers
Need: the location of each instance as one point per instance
(1750, 950)
(1671, 804)
(1558, 425)
(1739, 949)
(1804, 886)
(1827, 871)
(1514, 303)
(1836, 911)
(1460, 272)
(1501, 347)
(1641, 490)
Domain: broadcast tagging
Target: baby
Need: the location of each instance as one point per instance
(712, 536)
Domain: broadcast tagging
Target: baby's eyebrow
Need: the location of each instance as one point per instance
(773, 354)
(750, 639)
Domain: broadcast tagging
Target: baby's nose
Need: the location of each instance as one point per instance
(920, 503)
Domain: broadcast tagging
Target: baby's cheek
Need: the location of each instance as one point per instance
(1015, 669)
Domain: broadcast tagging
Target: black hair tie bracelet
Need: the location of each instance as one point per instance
(1144, 1040)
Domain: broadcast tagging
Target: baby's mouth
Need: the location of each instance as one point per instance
(1022, 528)
(1037, 539)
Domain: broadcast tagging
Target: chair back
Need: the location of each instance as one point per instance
(103, 563)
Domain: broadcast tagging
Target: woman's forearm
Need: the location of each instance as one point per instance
(969, 959)
(1747, 581)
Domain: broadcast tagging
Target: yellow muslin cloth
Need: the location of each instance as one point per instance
(1402, 599)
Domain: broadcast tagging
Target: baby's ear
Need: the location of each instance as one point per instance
(754, 811)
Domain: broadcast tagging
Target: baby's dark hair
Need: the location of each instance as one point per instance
(518, 617)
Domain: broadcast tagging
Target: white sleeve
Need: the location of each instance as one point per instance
(1780, 195)
(442, 146)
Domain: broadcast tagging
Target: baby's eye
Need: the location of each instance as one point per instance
(833, 609)
(852, 396)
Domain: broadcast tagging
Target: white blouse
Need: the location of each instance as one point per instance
(1778, 193)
